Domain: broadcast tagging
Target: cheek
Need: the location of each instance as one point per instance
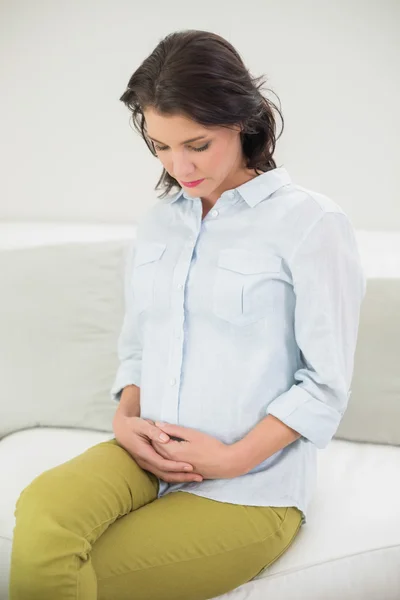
(218, 160)
(210, 163)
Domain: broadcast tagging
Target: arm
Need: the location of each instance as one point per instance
(129, 403)
(129, 345)
(266, 438)
(329, 285)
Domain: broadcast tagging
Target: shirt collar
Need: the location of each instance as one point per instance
(254, 191)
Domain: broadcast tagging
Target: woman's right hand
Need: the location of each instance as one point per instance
(135, 434)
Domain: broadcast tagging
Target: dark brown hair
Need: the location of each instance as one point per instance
(200, 75)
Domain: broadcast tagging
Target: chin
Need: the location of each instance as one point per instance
(191, 191)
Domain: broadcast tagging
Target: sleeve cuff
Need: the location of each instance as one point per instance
(312, 418)
(127, 375)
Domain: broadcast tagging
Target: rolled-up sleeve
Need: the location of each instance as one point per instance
(129, 345)
(329, 285)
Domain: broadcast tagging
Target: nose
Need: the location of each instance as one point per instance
(183, 168)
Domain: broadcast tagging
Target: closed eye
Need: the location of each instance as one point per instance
(163, 148)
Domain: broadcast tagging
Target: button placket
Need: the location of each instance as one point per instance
(224, 200)
(171, 403)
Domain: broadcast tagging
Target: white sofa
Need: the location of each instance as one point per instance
(61, 307)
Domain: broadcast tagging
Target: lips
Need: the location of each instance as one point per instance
(192, 183)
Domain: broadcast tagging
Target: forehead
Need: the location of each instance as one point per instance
(173, 127)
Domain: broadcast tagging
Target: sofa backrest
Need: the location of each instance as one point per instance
(373, 413)
(61, 308)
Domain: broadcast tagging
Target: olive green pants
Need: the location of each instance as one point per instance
(93, 528)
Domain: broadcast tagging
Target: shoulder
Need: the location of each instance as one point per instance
(324, 203)
(310, 203)
(155, 218)
(311, 219)
(306, 207)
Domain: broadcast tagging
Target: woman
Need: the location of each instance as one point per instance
(236, 358)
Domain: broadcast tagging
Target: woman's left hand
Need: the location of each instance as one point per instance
(210, 458)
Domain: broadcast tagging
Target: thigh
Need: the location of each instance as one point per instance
(63, 511)
(186, 547)
(90, 491)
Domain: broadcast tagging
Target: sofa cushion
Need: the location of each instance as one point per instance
(373, 412)
(61, 309)
(349, 548)
(350, 545)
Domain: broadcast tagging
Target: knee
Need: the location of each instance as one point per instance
(31, 545)
(37, 498)
(37, 521)
(40, 515)
(41, 542)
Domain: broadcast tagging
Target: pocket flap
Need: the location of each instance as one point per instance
(243, 261)
(148, 252)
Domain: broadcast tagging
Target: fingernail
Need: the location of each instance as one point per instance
(187, 468)
(164, 437)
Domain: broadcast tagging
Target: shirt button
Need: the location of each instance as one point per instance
(172, 381)
(180, 286)
(214, 213)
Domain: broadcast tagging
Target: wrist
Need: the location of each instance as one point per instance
(265, 439)
(129, 404)
(234, 462)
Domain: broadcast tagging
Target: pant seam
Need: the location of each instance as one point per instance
(283, 549)
(107, 521)
(212, 555)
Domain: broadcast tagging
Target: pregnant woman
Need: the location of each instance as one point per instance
(243, 295)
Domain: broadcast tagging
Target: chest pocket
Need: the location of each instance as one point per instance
(146, 263)
(244, 285)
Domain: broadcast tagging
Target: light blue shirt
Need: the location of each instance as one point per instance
(253, 310)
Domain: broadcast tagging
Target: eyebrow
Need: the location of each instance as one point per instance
(200, 137)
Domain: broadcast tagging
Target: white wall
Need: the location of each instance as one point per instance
(66, 148)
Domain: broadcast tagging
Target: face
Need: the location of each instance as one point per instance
(215, 158)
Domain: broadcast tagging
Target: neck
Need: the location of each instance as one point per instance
(239, 178)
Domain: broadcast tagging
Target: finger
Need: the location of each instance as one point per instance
(151, 431)
(172, 451)
(179, 477)
(175, 430)
(169, 476)
(163, 450)
(151, 456)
